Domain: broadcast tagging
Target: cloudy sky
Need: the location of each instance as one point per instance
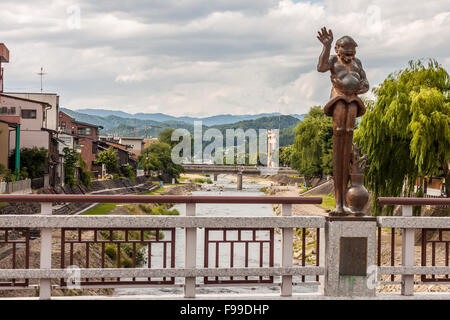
(207, 57)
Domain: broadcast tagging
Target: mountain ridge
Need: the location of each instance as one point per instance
(219, 119)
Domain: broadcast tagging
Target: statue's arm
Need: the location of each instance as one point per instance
(324, 59)
(326, 38)
(363, 83)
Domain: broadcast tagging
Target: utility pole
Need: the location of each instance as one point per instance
(41, 74)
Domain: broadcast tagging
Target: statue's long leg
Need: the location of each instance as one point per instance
(352, 111)
(339, 117)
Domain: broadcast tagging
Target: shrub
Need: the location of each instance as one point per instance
(162, 210)
(111, 251)
(24, 173)
(35, 160)
(128, 172)
(145, 208)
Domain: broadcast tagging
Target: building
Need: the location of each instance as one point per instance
(136, 144)
(51, 114)
(30, 118)
(85, 139)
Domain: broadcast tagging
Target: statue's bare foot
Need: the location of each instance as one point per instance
(348, 211)
(338, 211)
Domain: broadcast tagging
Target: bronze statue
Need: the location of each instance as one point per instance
(348, 79)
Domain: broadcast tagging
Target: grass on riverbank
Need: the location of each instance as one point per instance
(328, 201)
(200, 180)
(101, 208)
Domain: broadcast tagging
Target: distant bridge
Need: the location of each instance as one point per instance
(248, 170)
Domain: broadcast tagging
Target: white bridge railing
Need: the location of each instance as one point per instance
(191, 223)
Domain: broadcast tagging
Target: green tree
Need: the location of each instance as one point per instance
(85, 174)
(157, 157)
(70, 163)
(128, 172)
(286, 155)
(166, 137)
(287, 136)
(313, 144)
(406, 133)
(110, 159)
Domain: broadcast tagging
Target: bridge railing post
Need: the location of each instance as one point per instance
(407, 254)
(190, 253)
(286, 252)
(46, 253)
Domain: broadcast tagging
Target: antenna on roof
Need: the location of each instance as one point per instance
(41, 74)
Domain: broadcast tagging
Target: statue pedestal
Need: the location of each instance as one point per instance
(350, 248)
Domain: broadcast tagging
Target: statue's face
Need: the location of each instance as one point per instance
(346, 53)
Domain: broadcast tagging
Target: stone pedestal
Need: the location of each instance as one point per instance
(215, 177)
(239, 181)
(350, 248)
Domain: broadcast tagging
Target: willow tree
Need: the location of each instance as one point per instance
(406, 133)
(313, 142)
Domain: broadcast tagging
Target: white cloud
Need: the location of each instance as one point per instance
(206, 57)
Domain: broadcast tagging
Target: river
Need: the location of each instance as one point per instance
(223, 186)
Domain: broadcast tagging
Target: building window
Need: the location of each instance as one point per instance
(63, 124)
(84, 131)
(29, 114)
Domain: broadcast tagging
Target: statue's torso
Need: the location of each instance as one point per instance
(349, 74)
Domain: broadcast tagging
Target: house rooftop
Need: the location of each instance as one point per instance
(27, 100)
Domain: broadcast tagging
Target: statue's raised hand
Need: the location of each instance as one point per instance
(326, 37)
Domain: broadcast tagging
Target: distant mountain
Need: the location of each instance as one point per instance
(140, 126)
(105, 113)
(272, 122)
(112, 121)
(161, 117)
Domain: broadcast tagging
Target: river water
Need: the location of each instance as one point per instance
(223, 186)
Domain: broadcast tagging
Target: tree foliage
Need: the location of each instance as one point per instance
(110, 159)
(85, 174)
(157, 157)
(313, 144)
(286, 155)
(70, 162)
(406, 133)
(166, 137)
